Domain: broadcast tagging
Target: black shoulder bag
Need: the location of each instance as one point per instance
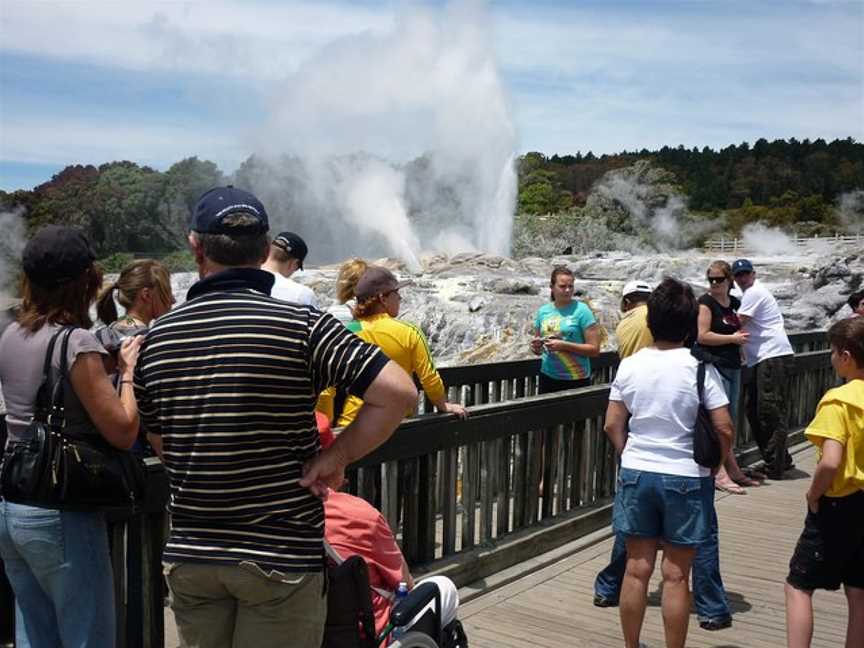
(59, 468)
(707, 449)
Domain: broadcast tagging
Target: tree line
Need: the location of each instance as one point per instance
(783, 182)
(126, 207)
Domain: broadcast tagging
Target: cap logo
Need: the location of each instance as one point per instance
(238, 207)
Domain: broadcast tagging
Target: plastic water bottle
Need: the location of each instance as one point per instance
(401, 593)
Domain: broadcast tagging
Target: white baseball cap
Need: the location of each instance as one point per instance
(636, 287)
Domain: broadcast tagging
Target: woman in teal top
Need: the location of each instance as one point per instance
(566, 335)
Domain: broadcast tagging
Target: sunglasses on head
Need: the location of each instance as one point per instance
(716, 280)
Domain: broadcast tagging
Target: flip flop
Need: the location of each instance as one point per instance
(732, 488)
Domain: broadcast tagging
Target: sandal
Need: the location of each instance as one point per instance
(729, 487)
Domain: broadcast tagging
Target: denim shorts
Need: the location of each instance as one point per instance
(655, 505)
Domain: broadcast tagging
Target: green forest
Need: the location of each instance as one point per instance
(125, 208)
(780, 183)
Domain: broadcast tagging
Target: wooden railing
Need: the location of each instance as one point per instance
(500, 381)
(519, 463)
(734, 244)
(522, 475)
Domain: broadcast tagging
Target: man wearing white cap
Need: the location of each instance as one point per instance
(632, 331)
(633, 334)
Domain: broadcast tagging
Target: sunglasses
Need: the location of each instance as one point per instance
(716, 280)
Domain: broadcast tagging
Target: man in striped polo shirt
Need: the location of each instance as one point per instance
(226, 385)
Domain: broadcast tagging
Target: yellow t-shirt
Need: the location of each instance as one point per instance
(405, 345)
(632, 331)
(840, 416)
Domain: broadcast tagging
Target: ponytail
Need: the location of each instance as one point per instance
(106, 309)
(349, 275)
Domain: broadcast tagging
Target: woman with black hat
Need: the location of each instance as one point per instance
(58, 561)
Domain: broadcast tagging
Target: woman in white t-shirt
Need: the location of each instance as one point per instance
(663, 494)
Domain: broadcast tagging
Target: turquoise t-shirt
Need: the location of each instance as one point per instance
(568, 323)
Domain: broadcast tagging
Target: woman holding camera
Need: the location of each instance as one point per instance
(58, 561)
(566, 335)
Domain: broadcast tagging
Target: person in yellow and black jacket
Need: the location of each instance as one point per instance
(376, 291)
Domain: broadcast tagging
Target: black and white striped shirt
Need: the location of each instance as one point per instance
(229, 380)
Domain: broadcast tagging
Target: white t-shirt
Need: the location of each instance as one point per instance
(658, 388)
(289, 290)
(768, 337)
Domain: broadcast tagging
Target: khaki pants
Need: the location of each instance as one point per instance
(240, 606)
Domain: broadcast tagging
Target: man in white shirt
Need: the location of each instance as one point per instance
(771, 359)
(287, 252)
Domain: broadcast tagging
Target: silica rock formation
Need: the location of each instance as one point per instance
(480, 308)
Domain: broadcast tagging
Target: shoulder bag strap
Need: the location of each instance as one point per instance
(700, 382)
(58, 402)
(44, 396)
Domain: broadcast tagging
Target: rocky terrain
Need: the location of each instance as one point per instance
(480, 308)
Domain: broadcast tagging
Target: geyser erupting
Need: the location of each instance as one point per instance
(394, 143)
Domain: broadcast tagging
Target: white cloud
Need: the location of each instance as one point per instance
(263, 40)
(81, 141)
(601, 78)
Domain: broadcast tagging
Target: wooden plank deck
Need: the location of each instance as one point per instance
(553, 606)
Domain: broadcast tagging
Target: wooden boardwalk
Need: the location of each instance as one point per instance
(758, 531)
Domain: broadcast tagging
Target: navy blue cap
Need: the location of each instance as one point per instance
(741, 265)
(219, 202)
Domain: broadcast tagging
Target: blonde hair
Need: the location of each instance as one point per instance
(349, 275)
(140, 274)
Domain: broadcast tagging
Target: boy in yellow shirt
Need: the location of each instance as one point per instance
(830, 551)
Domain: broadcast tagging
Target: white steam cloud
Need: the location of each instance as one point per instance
(760, 238)
(645, 211)
(850, 206)
(13, 238)
(428, 98)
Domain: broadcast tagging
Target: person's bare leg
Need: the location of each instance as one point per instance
(855, 628)
(641, 554)
(799, 617)
(735, 473)
(675, 567)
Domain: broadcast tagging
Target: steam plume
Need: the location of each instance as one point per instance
(762, 239)
(13, 238)
(426, 95)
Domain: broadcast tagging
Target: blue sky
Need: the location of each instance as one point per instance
(93, 81)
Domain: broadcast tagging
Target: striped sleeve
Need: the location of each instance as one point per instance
(147, 410)
(338, 358)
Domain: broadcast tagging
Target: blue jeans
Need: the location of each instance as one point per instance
(60, 570)
(708, 592)
(731, 379)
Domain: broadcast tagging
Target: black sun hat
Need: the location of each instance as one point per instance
(56, 255)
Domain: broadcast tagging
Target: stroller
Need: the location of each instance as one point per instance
(351, 623)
